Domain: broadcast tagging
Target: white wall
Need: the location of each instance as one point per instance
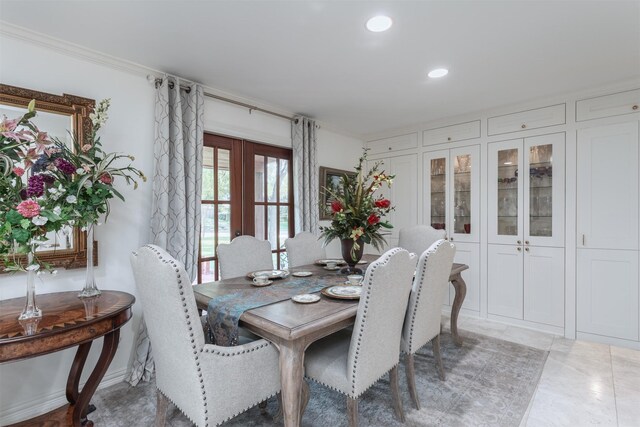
(37, 385)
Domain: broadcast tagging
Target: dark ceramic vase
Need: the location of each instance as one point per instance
(347, 245)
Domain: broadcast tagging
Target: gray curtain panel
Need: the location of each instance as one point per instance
(305, 173)
(177, 187)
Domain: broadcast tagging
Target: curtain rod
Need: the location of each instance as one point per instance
(158, 81)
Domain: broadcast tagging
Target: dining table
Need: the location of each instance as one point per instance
(292, 326)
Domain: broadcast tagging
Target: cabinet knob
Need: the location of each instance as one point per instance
(389, 148)
(526, 242)
(523, 126)
(635, 107)
(519, 249)
(526, 249)
(451, 238)
(519, 242)
(449, 138)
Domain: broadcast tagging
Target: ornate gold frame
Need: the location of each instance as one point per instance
(78, 109)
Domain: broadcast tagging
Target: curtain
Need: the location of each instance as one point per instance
(177, 179)
(305, 173)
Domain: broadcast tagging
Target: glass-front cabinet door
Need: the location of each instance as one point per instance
(526, 191)
(451, 183)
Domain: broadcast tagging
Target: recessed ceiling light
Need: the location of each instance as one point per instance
(438, 72)
(379, 23)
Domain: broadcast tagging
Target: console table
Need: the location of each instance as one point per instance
(67, 321)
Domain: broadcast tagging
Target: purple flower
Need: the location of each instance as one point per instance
(48, 179)
(23, 194)
(65, 166)
(35, 186)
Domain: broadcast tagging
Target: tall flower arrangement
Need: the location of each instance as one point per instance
(27, 209)
(357, 211)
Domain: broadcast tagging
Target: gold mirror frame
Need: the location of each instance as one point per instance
(78, 109)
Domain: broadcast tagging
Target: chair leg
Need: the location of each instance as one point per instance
(352, 411)
(161, 408)
(395, 393)
(436, 353)
(263, 407)
(411, 378)
(305, 397)
(279, 413)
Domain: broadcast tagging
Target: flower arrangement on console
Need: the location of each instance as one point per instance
(84, 182)
(357, 214)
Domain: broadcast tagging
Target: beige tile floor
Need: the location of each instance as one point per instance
(582, 384)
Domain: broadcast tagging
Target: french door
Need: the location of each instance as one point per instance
(247, 189)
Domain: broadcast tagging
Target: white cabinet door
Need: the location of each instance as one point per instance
(608, 187)
(607, 297)
(505, 192)
(464, 194)
(544, 285)
(544, 190)
(505, 295)
(469, 253)
(404, 191)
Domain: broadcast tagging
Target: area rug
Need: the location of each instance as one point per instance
(489, 382)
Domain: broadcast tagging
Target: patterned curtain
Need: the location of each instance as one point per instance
(305, 172)
(177, 186)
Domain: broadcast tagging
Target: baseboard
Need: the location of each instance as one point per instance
(526, 324)
(583, 336)
(43, 404)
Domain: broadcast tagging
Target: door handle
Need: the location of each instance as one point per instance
(583, 244)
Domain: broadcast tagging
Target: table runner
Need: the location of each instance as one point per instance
(224, 311)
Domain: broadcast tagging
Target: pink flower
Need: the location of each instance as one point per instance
(41, 141)
(29, 208)
(105, 178)
(86, 147)
(18, 171)
(8, 129)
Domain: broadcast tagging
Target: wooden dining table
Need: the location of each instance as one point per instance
(292, 327)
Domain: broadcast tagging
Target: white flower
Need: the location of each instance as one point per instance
(39, 220)
(71, 199)
(61, 189)
(88, 184)
(72, 222)
(80, 171)
(57, 210)
(54, 272)
(33, 267)
(53, 191)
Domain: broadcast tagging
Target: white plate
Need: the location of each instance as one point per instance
(273, 274)
(325, 261)
(260, 285)
(348, 283)
(332, 268)
(343, 292)
(302, 274)
(306, 298)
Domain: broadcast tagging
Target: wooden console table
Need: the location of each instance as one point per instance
(67, 321)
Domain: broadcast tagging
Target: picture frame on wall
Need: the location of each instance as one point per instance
(329, 178)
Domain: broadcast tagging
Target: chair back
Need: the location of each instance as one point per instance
(419, 238)
(375, 343)
(422, 322)
(173, 325)
(304, 249)
(243, 255)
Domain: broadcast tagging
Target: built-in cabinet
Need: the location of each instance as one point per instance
(451, 187)
(608, 194)
(526, 228)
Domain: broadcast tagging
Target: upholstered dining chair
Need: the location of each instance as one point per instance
(419, 238)
(243, 255)
(422, 321)
(303, 249)
(351, 362)
(208, 383)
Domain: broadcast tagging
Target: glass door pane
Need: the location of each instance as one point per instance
(462, 194)
(438, 181)
(508, 192)
(540, 190)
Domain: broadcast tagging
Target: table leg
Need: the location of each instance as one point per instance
(461, 291)
(291, 379)
(78, 411)
(76, 371)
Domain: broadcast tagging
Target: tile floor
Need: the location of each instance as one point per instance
(582, 383)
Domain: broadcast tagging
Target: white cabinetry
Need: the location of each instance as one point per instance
(402, 193)
(526, 120)
(393, 144)
(451, 195)
(608, 105)
(459, 132)
(607, 231)
(526, 229)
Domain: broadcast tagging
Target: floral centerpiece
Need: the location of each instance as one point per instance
(27, 209)
(357, 213)
(84, 182)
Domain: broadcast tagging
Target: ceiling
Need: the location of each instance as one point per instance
(317, 58)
